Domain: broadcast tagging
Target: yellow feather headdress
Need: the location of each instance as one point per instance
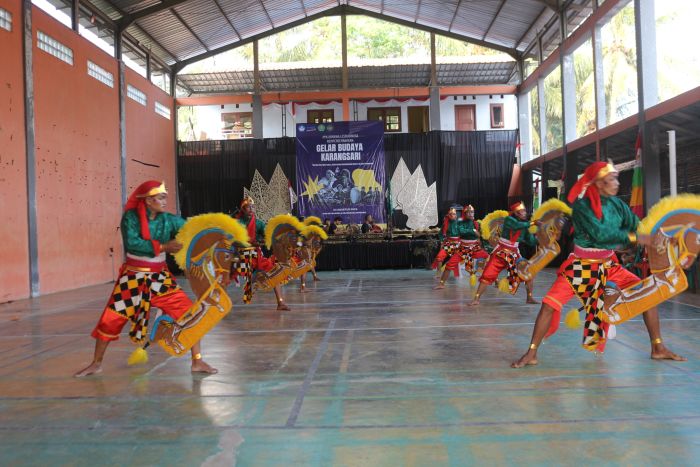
(313, 220)
(314, 230)
(656, 215)
(279, 221)
(197, 224)
(485, 223)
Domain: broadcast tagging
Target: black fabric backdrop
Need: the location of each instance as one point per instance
(470, 167)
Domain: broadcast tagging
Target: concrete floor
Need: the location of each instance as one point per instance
(369, 368)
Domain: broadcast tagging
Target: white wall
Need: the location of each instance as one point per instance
(209, 116)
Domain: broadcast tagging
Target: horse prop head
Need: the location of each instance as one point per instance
(211, 243)
(492, 226)
(282, 237)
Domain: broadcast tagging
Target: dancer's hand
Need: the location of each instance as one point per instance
(173, 246)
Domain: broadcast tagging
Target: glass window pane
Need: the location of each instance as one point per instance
(553, 109)
(535, 149)
(620, 65)
(678, 66)
(585, 89)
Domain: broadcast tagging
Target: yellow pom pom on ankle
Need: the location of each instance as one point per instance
(472, 280)
(572, 319)
(138, 357)
(503, 285)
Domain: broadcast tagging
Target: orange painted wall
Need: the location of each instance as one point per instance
(150, 138)
(77, 163)
(14, 272)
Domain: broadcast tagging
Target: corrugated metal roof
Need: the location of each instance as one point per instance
(326, 78)
(178, 30)
(182, 31)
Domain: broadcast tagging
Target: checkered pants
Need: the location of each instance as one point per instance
(588, 279)
(132, 296)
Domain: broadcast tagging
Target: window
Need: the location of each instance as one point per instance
(162, 110)
(136, 94)
(100, 74)
(237, 125)
(5, 19)
(320, 116)
(391, 116)
(51, 46)
(496, 115)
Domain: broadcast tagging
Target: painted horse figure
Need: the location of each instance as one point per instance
(212, 245)
(551, 217)
(311, 242)
(281, 238)
(492, 225)
(674, 223)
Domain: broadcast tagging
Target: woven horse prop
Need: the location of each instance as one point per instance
(674, 223)
(211, 245)
(552, 215)
(311, 238)
(282, 239)
(492, 226)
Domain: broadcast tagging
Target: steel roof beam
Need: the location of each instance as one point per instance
(269, 18)
(223, 13)
(495, 17)
(454, 16)
(187, 26)
(529, 30)
(129, 18)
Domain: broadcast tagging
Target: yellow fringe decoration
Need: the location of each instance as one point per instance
(278, 221)
(313, 220)
(196, 224)
(549, 205)
(314, 230)
(572, 319)
(138, 357)
(685, 201)
(503, 285)
(472, 280)
(485, 223)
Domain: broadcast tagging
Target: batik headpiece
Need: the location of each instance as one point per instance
(585, 186)
(517, 206)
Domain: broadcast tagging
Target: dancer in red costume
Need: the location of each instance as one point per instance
(602, 223)
(449, 255)
(506, 254)
(472, 251)
(256, 233)
(144, 280)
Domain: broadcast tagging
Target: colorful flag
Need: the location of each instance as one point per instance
(637, 198)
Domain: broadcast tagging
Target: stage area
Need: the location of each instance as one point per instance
(369, 368)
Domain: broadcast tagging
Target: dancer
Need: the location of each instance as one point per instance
(312, 238)
(144, 281)
(256, 232)
(506, 254)
(449, 255)
(602, 223)
(471, 249)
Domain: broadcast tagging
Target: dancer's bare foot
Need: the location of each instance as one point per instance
(474, 302)
(440, 286)
(530, 358)
(93, 369)
(316, 279)
(282, 307)
(661, 352)
(200, 366)
(531, 301)
(302, 289)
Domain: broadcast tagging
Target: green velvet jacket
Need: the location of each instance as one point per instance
(163, 228)
(467, 230)
(512, 226)
(608, 233)
(454, 229)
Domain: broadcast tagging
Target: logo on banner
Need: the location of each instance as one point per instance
(302, 128)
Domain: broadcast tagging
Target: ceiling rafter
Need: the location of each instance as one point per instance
(303, 7)
(415, 20)
(454, 16)
(129, 18)
(187, 26)
(269, 18)
(230, 23)
(532, 26)
(493, 21)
